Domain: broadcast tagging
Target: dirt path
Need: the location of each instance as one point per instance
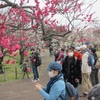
(24, 89)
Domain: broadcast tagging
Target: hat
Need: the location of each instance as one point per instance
(94, 93)
(86, 43)
(54, 66)
(77, 48)
(83, 47)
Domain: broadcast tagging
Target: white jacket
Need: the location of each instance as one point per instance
(85, 67)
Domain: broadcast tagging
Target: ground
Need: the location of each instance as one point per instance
(24, 89)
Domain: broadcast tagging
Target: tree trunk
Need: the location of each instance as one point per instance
(1, 67)
(1, 60)
(21, 56)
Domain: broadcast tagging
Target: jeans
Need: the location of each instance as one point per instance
(35, 72)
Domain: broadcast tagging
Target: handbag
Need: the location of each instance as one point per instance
(97, 64)
(28, 70)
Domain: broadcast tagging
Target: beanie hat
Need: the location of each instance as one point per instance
(83, 47)
(86, 43)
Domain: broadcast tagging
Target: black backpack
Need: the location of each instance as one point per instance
(39, 61)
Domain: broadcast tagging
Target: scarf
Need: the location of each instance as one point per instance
(52, 81)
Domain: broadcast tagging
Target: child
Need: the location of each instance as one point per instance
(25, 68)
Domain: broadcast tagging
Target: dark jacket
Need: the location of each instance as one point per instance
(71, 71)
(34, 59)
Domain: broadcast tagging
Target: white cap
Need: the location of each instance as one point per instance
(77, 48)
(83, 47)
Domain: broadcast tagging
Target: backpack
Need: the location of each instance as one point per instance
(90, 59)
(56, 55)
(39, 61)
(24, 66)
(36, 59)
(70, 90)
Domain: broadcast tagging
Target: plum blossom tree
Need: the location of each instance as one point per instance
(20, 17)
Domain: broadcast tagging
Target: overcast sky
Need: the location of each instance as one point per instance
(95, 8)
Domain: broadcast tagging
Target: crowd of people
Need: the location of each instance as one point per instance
(75, 65)
(72, 66)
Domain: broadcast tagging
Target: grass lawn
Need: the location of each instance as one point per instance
(10, 73)
(10, 70)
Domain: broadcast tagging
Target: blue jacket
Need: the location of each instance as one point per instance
(57, 89)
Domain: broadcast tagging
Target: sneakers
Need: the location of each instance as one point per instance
(38, 79)
(35, 80)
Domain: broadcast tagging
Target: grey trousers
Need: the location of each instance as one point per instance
(94, 77)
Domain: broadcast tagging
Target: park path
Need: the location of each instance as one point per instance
(24, 89)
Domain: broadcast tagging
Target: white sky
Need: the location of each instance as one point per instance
(96, 7)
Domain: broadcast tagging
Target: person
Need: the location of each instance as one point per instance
(55, 89)
(61, 56)
(34, 60)
(94, 93)
(51, 50)
(71, 70)
(94, 73)
(86, 71)
(78, 55)
(24, 69)
(56, 53)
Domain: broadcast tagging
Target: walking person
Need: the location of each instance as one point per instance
(55, 89)
(94, 73)
(86, 71)
(51, 50)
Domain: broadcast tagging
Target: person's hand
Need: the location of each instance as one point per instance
(77, 80)
(35, 83)
(73, 98)
(38, 87)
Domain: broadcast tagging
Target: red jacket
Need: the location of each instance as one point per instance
(78, 55)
